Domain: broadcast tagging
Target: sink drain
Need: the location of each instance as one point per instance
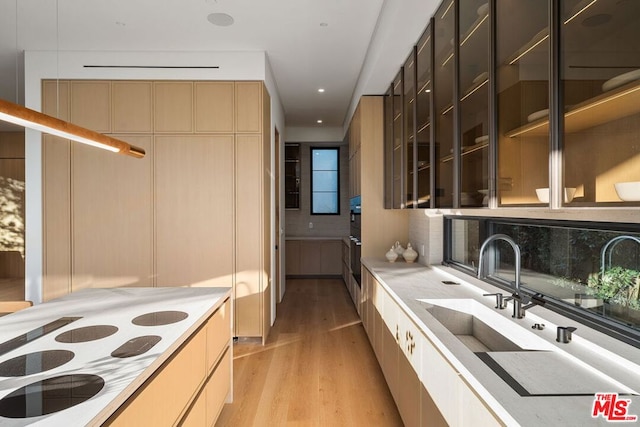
(450, 282)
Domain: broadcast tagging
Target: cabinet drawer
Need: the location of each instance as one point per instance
(218, 388)
(218, 333)
(164, 397)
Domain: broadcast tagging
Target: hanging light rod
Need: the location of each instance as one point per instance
(19, 115)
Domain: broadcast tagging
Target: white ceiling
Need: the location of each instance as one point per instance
(357, 52)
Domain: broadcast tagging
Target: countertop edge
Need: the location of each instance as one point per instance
(139, 381)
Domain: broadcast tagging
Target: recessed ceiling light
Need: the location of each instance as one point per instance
(319, 121)
(321, 90)
(324, 24)
(220, 19)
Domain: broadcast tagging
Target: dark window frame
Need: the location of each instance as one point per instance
(311, 170)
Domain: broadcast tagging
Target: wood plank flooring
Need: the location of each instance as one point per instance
(317, 368)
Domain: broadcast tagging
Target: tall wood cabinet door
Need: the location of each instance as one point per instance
(249, 108)
(249, 204)
(112, 217)
(56, 173)
(132, 107)
(173, 107)
(267, 246)
(194, 210)
(214, 103)
(91, 105)
(56, 176)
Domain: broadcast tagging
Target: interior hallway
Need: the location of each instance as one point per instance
(317, 368)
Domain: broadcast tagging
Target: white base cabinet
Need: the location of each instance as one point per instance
(427, 389)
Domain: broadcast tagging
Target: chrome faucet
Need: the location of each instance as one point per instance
(518, 298)
(613, 243)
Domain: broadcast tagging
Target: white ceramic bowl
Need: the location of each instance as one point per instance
(543, 194)
(628, 191)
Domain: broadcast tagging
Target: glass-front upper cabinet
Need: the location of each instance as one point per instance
(474, 42)
(408, 113)
(398, 187)
(600, 72)
(444, 77)
(388, 148)
(423, 120)
(522, 80)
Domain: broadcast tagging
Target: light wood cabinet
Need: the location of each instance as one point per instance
(90, 105)
(194, 179)
(249, 107)
(186, 390)
(173, 107)
(314, 258)
(113, 240)
(56, 189)
(380, 227)
(194, 211)
(132, 107)
(214, 107)
(248, 233)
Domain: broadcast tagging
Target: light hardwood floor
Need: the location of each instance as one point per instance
(317, 368)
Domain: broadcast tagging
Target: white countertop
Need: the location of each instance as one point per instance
(116, 307)
(608, 360)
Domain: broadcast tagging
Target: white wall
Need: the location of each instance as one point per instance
(41, 65)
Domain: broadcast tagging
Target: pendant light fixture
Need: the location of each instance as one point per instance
(25, 117)
(28, 118)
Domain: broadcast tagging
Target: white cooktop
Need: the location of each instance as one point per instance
(115, 307)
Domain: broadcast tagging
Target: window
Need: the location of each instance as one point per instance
(588, 271)
(325, 181)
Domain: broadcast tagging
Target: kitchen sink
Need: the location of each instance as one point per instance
(525, 361)
(472, 331)
(480, 328)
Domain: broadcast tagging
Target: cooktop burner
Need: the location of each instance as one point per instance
(50, 395)
(87, 333)
(136, 346)
(33, 363)
(159, 318)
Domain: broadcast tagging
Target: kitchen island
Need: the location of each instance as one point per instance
(118, 356)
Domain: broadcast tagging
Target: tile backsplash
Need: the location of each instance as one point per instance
(426, 234)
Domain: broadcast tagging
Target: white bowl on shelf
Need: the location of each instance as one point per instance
(543, 194)
(628, 191)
